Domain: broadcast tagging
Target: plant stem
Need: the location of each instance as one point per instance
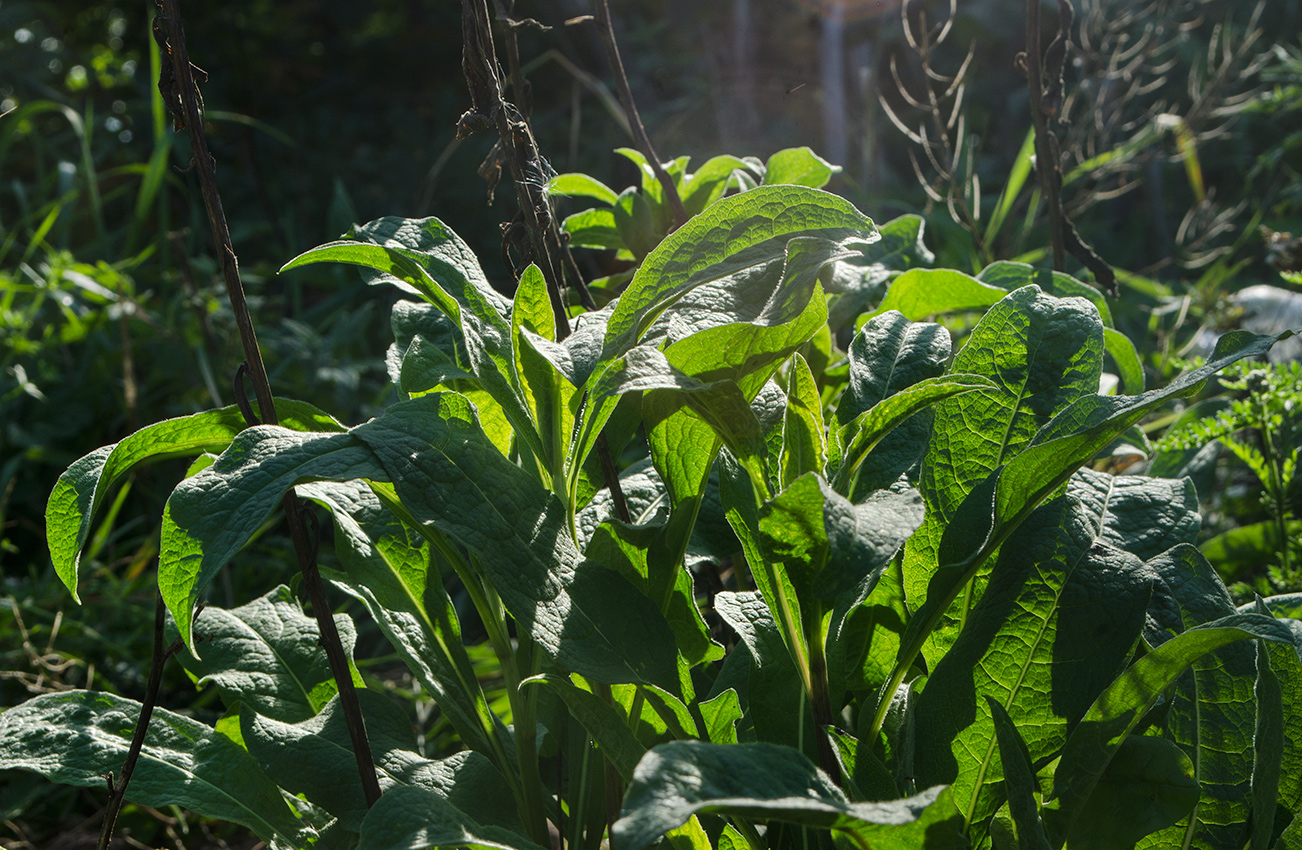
(634, 119)
(119, 789)
(206, 168)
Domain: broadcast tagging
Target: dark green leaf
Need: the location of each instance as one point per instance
(677, 780)
(1123, 704)
(1148, 785)
(267, 655)
(78, 737)
(1019, 780)
(411, 818)
(1144, 516)
(607, 725)
(81, 490)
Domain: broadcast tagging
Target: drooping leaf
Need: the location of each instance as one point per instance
(859, 281)
(81, 490)
(1036, 643)
(387, 566)
(1019, 779)
(413, 818)
(209, 517)
(683, 778)
(315, 758)
(78, 737)
(921, 293)
(267, 655)
(734, 234)
(1144, 516)
(1120, 707)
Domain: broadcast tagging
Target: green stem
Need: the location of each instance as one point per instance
(532, 811)
(820, 696)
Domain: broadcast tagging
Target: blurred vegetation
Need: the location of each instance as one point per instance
(1183, 140)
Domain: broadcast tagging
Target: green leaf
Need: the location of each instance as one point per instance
(865, 773)
(1267, 749)
(1144, 516)
(1037, 644)
(1010, 276)
(1148, 785)
(887, 355)
(208, 518)
(1123, 354)
(920, 293)
(314, 758)
(603, 721)
(1043, 353)
(798, 166)
(734, 234)
(267, 655)
(81, 490)
(593, 229)
(1241, 551)
(774, 693)
(1119, 709)
(721, 715)
(1009, 494)
(683, 778)
(79, 737)
(411, 818)
(871, 427)
(804, 439)
(635, 223)
(387, 566)
(1213, 711)
(581, 186)
(1019, 780)
(590, 619)
(709, 182)
(426, 257)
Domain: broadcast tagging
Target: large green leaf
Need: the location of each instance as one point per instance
(734, 234)
(683, 778)
(1000, 503)
(1037, 644)
(1119, 709)
(1043, 353)
(414, 818)
(447, 475)
(210, 516)
(887, 355)
(426, 257)
(79, 737)
(314, 758)
(1213, 713)
(387, 566)
(267, 655)
(1145, 516)
(81, 490)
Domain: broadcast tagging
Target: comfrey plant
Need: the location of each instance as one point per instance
(950, 630)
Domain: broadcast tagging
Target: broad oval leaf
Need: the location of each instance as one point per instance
(81, 489)
(78, 737)
(413, 818)
(680, 779)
